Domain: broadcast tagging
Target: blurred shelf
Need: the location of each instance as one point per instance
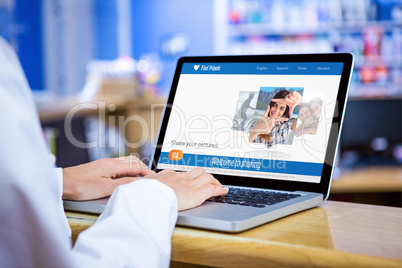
(379, 97)
(325, 28)
(369, 180)
(58, 109)
(389, 60)
(363, 28)
(368, 92)
(269, 30)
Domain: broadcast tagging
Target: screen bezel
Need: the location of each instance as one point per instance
(323, 186)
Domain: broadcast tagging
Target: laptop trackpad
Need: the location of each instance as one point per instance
(225, 212)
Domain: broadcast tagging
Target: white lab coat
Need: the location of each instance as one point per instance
(134, 231)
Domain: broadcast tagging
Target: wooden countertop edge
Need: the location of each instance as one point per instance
(246, 252)
(194, 246)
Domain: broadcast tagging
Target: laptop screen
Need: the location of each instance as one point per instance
(266, 120)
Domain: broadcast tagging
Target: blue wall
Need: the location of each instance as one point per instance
(153, 19)
(27, 19)
(105, 21)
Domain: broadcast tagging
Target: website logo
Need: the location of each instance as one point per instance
(196, 67)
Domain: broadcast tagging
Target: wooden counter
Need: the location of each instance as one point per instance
(336, 234)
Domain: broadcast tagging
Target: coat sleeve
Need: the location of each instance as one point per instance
(134, 230)
(131, 232)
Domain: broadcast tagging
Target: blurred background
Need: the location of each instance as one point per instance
(123, 53)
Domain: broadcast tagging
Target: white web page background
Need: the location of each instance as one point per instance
(204, 106)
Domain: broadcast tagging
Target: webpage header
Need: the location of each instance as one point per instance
(256, 68)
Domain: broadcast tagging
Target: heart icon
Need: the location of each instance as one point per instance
(196, 67)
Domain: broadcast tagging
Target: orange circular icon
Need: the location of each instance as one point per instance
(175, 155)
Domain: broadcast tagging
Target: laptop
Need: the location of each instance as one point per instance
(217, 116)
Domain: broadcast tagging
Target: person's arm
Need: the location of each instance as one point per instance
(32, 220)
(294, 124)
(139, 219)
(100, 178)
(192, 188)
(32, 229)
(264, 125)
(141, 213)
(134, 230)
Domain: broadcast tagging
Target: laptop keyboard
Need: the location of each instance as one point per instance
(252, 198)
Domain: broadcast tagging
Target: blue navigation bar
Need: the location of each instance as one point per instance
(254, 68)
(246, 164)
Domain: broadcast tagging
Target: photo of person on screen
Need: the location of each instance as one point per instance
(243, 109)
(308, 123)
(277, 122)
(315, 106)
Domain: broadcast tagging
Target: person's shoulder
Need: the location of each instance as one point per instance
(289, 122)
